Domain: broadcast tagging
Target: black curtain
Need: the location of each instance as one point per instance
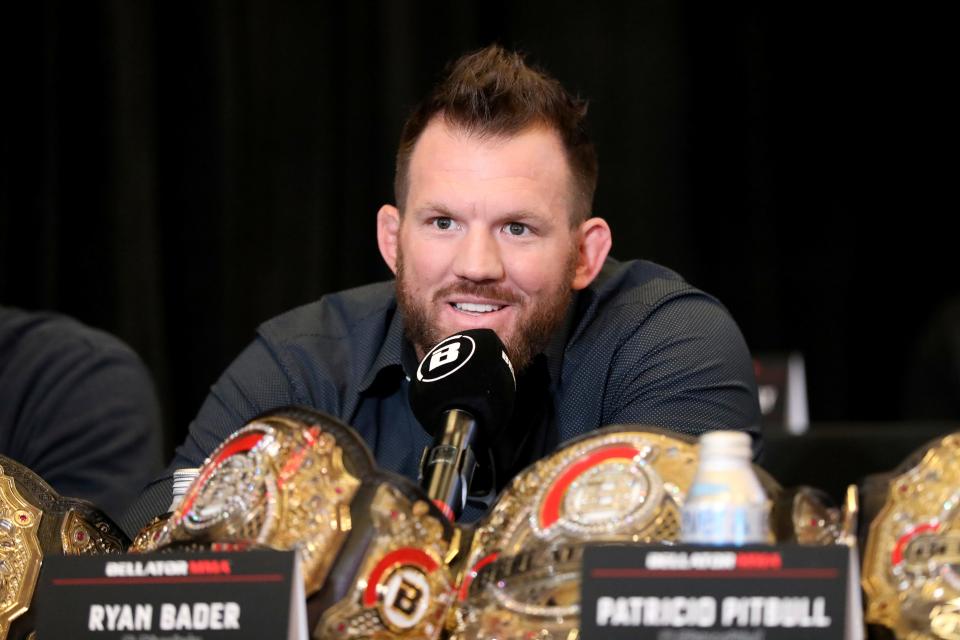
(176, 173)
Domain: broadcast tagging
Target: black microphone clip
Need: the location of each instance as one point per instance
(446, 468)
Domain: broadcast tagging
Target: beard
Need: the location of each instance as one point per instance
(534, 326)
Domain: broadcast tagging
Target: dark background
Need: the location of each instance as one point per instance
(176, 173)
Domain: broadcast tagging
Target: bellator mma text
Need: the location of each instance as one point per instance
(195, 616)
(735, 611)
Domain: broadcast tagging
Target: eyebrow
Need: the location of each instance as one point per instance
(442, 210)
(435, 207)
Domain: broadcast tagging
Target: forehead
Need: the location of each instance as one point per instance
(450, 160)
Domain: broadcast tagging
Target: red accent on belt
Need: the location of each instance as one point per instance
(550, 511)
(405, 556)
(468, 579)
(295, 461)
(239, 445)
(896, 557)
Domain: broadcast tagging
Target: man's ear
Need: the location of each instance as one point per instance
(388, 234)
(593, 244)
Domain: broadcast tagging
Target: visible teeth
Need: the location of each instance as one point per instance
(475, 308)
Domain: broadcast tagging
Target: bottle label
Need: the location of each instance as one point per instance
(707, 523)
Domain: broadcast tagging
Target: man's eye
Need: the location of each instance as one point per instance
(517, 228)
(442, 223)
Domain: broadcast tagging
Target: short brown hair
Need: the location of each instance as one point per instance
(493, 92)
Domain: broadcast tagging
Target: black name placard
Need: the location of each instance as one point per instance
(169, 596)
(689, 592)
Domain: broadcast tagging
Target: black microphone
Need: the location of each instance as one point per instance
(463, 396)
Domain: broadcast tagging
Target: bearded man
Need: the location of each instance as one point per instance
(492, 228)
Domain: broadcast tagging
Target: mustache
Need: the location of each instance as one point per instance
(479, 290)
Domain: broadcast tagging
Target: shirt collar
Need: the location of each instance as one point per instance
(391, 351)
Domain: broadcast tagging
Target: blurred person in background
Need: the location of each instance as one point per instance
(78, 407)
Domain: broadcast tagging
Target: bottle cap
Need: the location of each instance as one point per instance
(725, 444)
(182, 479)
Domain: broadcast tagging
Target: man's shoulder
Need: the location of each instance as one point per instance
(660, 350)
(625, 296)
(335, 316)
(638, 283)
(43, 335)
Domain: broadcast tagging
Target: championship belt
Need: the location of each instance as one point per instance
(911, 565)
(374, 551)
(393, 578)
(620, 484)
(804, 515)
(35, 520)
(284, 481)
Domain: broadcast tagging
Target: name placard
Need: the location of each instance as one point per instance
(692, 592)
(172, 596)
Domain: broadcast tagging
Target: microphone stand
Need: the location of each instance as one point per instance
(449, 464)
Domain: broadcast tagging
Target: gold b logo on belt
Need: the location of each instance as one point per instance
(911, 565)
(400, 585)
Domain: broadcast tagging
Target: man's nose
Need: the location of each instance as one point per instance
(478, 257)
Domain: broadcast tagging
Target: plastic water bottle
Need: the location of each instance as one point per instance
(726, 503)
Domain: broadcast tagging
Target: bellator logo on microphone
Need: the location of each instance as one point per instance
(449, 355)
(446, 357)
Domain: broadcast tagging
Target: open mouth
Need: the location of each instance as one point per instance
(475, 307)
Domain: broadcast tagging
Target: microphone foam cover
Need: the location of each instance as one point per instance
(469, 371)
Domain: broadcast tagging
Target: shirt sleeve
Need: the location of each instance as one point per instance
(686, 368)
(253, 383)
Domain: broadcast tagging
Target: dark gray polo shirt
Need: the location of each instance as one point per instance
(640, 345)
